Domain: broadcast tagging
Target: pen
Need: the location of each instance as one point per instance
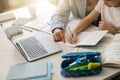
(1, 25)
(26, 29)
(70, 31)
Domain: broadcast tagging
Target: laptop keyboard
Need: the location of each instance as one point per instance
(33, 47)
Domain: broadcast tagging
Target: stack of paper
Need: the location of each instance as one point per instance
(30, 71)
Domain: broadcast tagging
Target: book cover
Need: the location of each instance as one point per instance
(28, 70)
(47, 77)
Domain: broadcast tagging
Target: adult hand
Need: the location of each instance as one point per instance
(58, 35)
(71, 37)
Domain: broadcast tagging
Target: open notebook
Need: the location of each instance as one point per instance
(37, 46)
(89, 38)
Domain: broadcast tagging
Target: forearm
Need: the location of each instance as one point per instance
(82, 26)
(57, 24)
(86, 21)
(60, 18)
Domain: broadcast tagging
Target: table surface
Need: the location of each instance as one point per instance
(10, 56)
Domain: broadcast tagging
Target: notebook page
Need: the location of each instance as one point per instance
(80, 37)
(111, 55)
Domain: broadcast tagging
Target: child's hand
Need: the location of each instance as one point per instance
(71, 37)
(106, 26)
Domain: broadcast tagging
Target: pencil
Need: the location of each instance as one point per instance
(26, 29)
(70, 31)
(1, 25)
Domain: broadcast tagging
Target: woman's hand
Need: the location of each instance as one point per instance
(58, 35)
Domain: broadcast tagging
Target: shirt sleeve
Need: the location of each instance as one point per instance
(98, 6)
(60, 18)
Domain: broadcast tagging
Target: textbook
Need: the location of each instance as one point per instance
(111, 55)
(28, 71)
(6, 17)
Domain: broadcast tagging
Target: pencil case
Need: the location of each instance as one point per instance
(77, 64)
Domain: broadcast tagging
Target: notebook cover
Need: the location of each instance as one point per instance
(28, 70)
(47, 77)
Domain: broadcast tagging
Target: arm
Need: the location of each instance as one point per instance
(86, 21)
(83, 25)
(59, 20)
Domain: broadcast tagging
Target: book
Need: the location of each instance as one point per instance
(6, 17)
(111, 55)
(47, 77)
(40, 25)
(28, 70)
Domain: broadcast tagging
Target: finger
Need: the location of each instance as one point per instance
(56, 37)
(74, 38)
(62, 37)
(100, 26)
(99, 22)
(69, 39)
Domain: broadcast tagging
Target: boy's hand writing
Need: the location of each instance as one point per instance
(71, 37)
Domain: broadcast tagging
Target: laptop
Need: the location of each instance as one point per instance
(92, 38)
(37, 46)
